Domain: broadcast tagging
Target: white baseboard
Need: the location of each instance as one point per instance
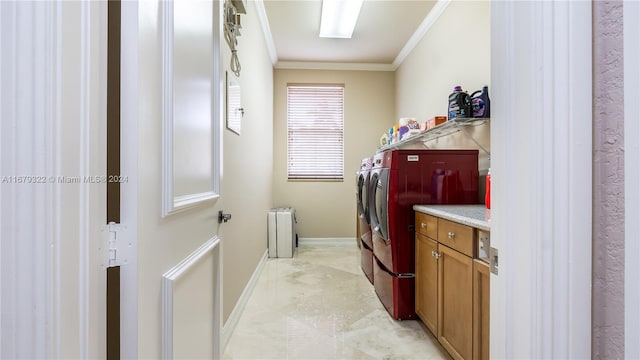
(234, 318)
(328, 241)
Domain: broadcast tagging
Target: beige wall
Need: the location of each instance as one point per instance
(455, 51)
(248, 163)
(327, 209)
(164, 242)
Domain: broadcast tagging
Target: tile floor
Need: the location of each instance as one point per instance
(319, 305)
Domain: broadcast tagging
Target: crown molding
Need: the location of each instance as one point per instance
(309, 65)
(266, 31)
(424, 27)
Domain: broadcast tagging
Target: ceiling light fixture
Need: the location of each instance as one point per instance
(339, 18)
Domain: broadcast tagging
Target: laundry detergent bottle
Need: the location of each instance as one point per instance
(480, 103)
(459, 105)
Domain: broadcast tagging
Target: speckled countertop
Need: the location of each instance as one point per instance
(477, 216)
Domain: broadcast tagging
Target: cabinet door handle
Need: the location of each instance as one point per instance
(423, 225)
(433, 253)
(437, 255)
(451, 235)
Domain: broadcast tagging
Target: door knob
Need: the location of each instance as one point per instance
(222, 217)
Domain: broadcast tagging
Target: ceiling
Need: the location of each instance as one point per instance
(382, 31)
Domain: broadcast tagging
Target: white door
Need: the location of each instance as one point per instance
(52, 148)
(541, 179)
(160, 241)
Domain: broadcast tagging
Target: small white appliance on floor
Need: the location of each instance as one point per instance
(282, 233)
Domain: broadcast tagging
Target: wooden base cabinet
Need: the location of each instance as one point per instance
(427, 282)
(455, 302)
(452, 289)
(481, 307)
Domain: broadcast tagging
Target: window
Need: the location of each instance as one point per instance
(315, 132)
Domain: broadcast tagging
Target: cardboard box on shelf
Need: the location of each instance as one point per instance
(435, 121)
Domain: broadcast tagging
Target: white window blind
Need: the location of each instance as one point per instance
(315, 132)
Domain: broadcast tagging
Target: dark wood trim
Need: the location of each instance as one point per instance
(113, 112)
(113, 313)
(113, 172)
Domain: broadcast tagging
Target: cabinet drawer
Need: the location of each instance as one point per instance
(456, 236)
(427, 225)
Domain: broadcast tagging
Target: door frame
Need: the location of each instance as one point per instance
(53, 137)
(541, 174)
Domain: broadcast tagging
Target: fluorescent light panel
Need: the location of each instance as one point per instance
(339, 18)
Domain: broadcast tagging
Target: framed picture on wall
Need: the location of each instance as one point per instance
(234, 109)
